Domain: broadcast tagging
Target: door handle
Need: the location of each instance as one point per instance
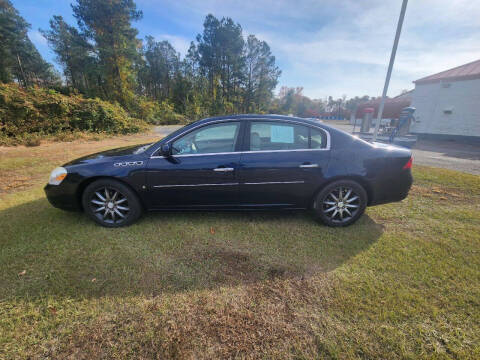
(223, 169)
(309, 165)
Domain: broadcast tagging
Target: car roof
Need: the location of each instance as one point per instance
(260, 117)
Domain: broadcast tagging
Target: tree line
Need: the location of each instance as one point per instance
(102, 57)
(292, 101)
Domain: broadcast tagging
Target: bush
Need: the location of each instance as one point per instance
(35, 112)
(158, 113)
(31, 140)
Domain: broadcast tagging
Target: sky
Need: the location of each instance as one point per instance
(328, 47)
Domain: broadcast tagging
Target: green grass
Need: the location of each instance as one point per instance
(404, 282)
(18, 162)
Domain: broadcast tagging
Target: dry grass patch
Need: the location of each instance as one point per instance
(437, 192)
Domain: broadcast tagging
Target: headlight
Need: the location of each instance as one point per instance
(57, 176)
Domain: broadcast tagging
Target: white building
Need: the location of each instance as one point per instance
(448, 104)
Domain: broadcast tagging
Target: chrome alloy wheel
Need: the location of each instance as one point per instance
(341, 204)
(109, 205)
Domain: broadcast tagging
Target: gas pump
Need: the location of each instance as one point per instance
(404, 120)
(367, 120)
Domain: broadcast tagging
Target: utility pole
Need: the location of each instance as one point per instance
(390, 66)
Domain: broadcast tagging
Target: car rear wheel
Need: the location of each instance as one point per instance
(111, 204)
(340, 203)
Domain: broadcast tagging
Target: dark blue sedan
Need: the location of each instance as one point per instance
(241, 162)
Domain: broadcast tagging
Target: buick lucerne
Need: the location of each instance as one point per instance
(241, 162)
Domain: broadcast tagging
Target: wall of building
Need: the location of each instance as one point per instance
(447, 108)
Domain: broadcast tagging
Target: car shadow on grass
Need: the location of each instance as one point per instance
(46, 251)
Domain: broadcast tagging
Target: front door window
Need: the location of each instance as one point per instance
(217, 138)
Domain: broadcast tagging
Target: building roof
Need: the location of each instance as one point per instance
(464, 72)
(404, 95)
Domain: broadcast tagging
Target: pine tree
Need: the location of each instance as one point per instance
(261, 75)
(108, 23)
(220, 54)
(19, 59)
(161, 64)
(76, 55)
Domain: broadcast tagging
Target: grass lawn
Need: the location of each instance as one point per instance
(403, 282)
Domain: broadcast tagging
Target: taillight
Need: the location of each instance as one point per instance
(408, 165)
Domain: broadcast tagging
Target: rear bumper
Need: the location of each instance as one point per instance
(62, 197)
(392, 189)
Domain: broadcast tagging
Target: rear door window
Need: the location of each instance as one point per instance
(277, 136)
(271, 136)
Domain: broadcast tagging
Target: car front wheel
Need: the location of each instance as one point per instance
(340, 203)
(110, 203)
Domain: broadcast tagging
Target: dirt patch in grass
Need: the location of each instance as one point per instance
(212, 265)
(235, 266)
(241, 267)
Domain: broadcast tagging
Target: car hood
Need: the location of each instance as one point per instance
(110, 154)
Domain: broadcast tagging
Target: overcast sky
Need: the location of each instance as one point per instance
(330, 47)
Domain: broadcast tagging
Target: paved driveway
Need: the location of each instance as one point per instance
(448, 155)
(444, 154)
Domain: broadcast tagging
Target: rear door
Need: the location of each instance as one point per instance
(283, 164)
(202, 171)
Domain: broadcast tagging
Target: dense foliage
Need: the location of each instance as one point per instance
(42, 111)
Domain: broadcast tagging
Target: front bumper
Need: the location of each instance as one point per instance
(62, 196)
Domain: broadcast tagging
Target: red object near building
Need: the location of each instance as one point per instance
(393, 107)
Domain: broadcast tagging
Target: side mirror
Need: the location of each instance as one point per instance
(166, 150)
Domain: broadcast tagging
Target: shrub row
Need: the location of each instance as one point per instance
(39, 112)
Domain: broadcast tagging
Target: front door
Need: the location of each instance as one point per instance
(202, 171)
(284, 164)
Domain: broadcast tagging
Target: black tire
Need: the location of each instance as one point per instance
(330, 208)
(105, 208)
